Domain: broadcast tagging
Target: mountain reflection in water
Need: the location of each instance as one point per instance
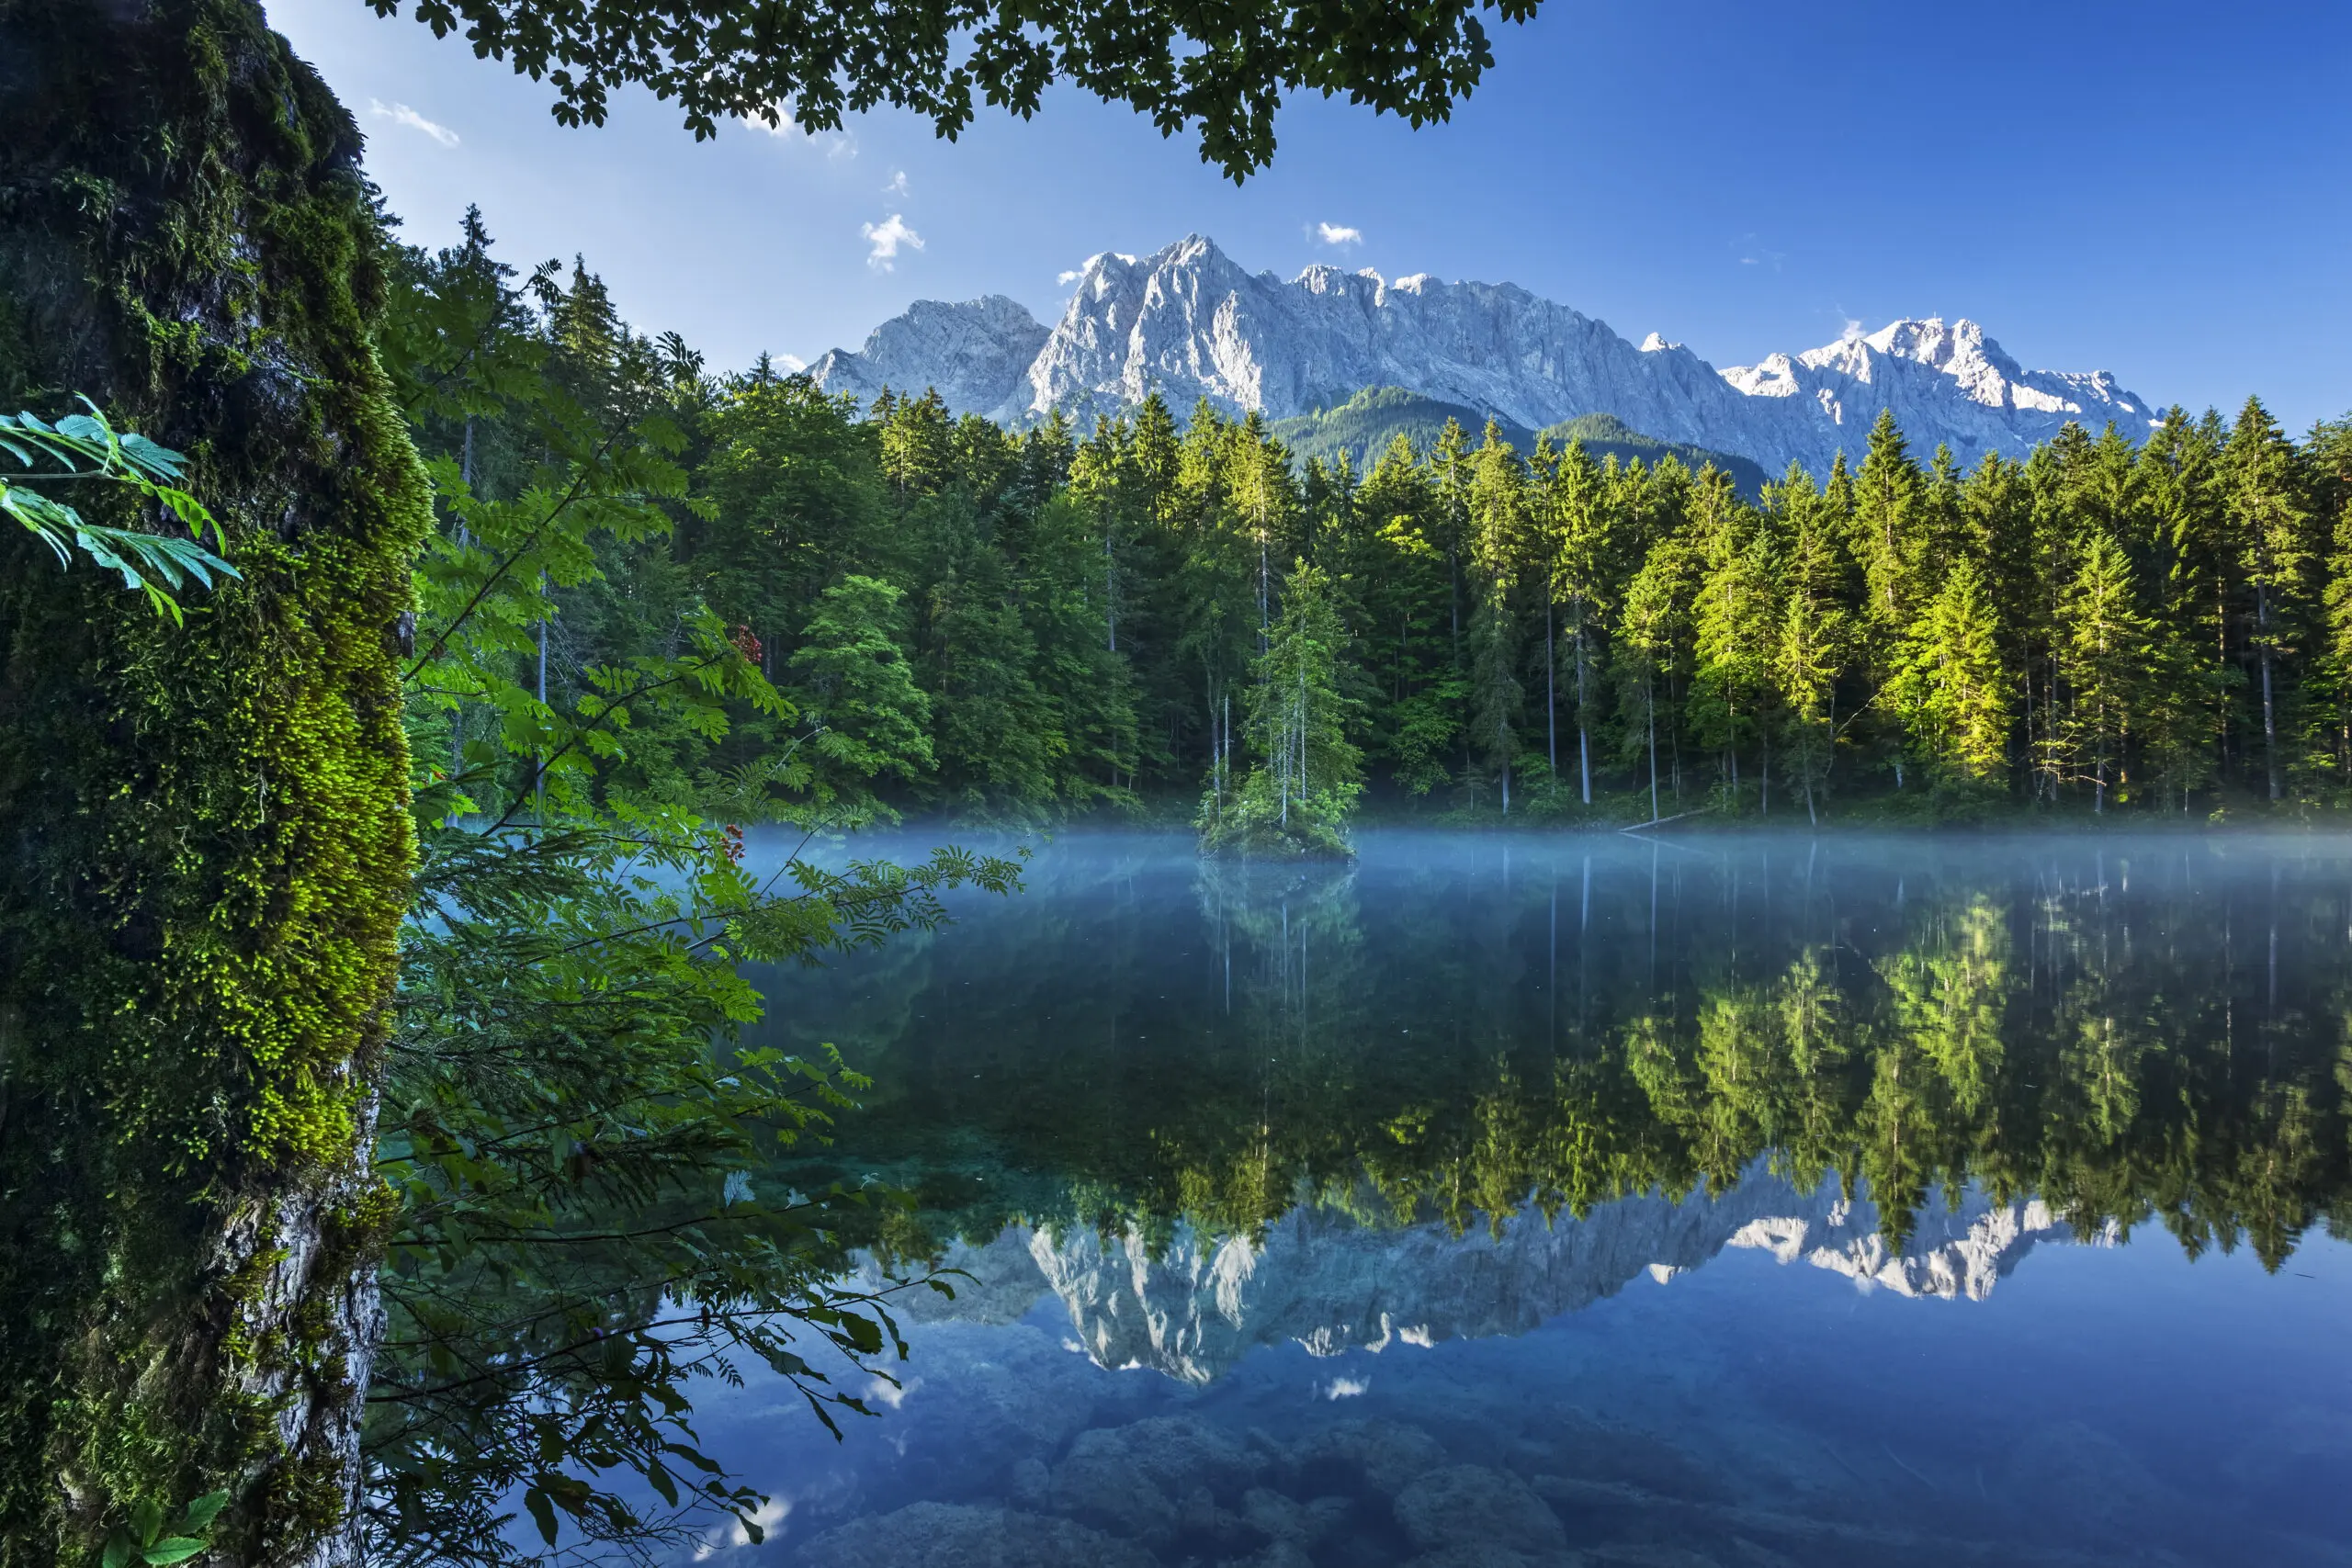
(1309, 1216)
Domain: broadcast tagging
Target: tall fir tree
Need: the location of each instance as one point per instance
(2106, 668)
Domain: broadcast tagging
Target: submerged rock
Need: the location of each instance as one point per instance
(1487, 1555)
(2072, 1477)
(1155, 1479)
(1287, 1519)
(1353, 1457)
(946, 1535)
(1278, 1554)
(1470, 1504)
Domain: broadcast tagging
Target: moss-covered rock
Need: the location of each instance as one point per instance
(204, 846)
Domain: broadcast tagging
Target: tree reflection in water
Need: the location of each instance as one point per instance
(2133, 1032)
(1370, 1162)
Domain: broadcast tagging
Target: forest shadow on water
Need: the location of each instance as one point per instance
(1492, 1201)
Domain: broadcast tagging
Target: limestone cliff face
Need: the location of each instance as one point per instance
(1331, 1284)
(1189, 322)
(974, 354)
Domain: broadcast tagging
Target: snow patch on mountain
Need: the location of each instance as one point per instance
(1192, 1304)
(1189, 322)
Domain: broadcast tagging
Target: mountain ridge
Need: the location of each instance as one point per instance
(1191, 1304)
(1189, 322)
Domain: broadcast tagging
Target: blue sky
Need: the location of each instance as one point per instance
(2156, 188)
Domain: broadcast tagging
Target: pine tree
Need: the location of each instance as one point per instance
(1305, 772)
(852, 682)
(1407, 609)
(1648, 646)
(2330, 455)
(1954, 691)
(2107, 665)
(795, 498)
(1581, 534)
(1889, 518)
(2268, 521)
(1732, 663)
(1498, 503)
(2187, 530)
(994, 735)
(1809, 653)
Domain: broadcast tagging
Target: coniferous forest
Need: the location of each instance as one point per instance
(441, 720)
(1023, 624)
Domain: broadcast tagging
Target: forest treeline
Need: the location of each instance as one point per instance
(1014, 624)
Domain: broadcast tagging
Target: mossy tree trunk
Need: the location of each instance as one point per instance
(204, 843)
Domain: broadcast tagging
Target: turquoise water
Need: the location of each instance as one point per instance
(1513, 1201)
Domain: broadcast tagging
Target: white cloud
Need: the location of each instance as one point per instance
(732, 1535)
(790, 364)
(881, 1391)
(767, 1516)
(898, 186)
(837, 143)
(401, 113)
(1338, 234)
(1346, 1388)
(1067, 278)
(886, 237)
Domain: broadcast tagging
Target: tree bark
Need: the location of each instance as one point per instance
(206, 847)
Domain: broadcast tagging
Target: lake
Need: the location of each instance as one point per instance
(1587, 1200)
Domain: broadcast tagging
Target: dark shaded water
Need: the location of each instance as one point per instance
(1505, 1201)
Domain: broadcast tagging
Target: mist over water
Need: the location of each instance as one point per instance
(1591, 1198)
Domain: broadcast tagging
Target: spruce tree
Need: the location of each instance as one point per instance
(852, 684)
(1581, 540)
(2189, 533)
(1499, 525)
(1954, 691)
(1407, 649)
(1304, 772)
(1649, 646)
(2107, 665)
(2268, 523)
(1810, 650)
(2330, 451)
(1732, 663)
(1889, 524)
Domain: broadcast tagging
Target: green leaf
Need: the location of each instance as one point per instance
(172, 1549)
(119, 1550)
(146, 1521)
(203, 1511)
(543, 1511)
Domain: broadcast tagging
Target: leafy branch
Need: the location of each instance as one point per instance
(84, 447)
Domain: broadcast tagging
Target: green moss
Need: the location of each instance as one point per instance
(209, 848)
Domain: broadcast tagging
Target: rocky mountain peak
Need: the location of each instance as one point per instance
(1189, 322)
